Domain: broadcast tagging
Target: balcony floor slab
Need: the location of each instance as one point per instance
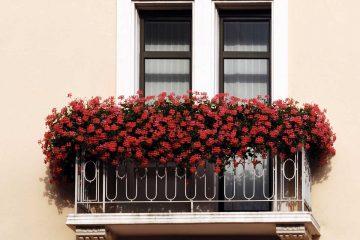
(204, 223)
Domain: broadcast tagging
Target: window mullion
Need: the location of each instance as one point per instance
(167, 54)
(246, 55)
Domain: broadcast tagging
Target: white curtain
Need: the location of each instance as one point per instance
(167, 75)
(246, 36)
(167, 36)
(246, 78)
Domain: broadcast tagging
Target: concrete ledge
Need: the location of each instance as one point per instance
(219, 223)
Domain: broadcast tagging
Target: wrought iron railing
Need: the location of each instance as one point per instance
(272, 185)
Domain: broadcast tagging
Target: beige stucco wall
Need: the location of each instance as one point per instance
(324, 66)
(50, 48)
(47, 49)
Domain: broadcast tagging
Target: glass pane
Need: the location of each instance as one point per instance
(167, 75)
(252, 182)
(167, 36)
(246, 36)
(246, 78)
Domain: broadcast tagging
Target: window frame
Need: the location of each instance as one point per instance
(170, 16)
(253, 15)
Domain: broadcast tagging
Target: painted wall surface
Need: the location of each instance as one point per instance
(47, 49)
(324, 68)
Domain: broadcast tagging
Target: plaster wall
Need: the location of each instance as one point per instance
(47, 49)
(324, 68)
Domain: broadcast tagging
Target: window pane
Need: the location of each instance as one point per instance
(167, 75)
(167, 36)
(246, 78)
(246, 36)
(251, 182)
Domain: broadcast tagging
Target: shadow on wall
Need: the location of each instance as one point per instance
(61, 196)
(320, 173)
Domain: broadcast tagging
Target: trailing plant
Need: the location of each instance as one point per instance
(188, 130)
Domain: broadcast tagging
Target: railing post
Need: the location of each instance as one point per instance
(275, 184)
(298, 175)
(306, 182)
(303, 179)
(103, 188)
(76, 182)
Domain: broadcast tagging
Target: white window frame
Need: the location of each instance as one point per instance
(205, 63)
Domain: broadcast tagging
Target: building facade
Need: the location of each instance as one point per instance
(284, 48)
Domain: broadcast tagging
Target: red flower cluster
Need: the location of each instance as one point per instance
(188, 130)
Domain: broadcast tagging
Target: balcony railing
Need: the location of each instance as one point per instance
(272, 185)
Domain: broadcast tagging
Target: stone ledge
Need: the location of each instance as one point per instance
(220, 223)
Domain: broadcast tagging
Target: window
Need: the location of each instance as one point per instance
(245, 53)
(245, 72)
(165, 51)
(204, 48)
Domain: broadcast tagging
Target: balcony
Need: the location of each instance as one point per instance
(269, 198)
